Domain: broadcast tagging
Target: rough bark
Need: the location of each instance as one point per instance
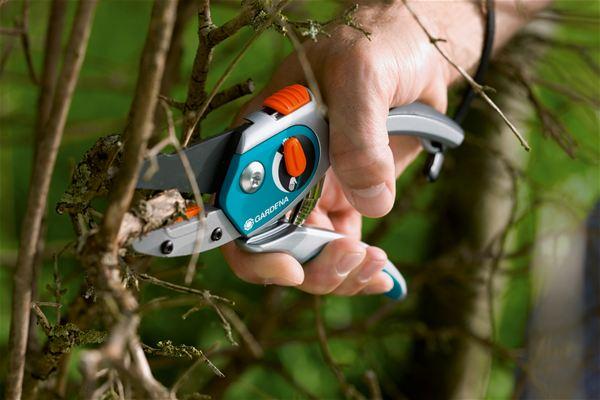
(100, 255)
(38, 193)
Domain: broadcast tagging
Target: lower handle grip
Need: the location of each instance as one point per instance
(304, 242)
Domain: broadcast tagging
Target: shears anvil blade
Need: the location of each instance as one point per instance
(208, 160)
(182, 238)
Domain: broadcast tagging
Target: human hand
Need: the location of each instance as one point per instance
(360, 81)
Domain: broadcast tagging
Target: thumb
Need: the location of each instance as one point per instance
(360, 153)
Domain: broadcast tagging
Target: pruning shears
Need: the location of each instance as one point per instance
(267, 175)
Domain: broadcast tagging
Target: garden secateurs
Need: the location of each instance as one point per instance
(267, 175)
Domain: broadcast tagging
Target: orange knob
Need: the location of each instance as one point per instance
(293, 154)
(288, 99)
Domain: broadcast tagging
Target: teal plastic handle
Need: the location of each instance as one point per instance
(398, 291)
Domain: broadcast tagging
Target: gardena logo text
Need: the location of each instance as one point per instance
(251, 221)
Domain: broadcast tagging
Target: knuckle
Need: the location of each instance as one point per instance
(364, 166)
(356, 59)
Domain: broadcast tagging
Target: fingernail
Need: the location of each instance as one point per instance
(367, 272)
(281, 281)
(389, 283)
(348, 263)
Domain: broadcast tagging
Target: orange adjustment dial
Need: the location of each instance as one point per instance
(288, 99)
(293, 154)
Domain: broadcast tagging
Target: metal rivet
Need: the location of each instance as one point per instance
(217, 234)
(166, 247)
(252, 177)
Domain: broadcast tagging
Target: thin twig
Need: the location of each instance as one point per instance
(477, 88)
(373, 383)
(189, 173)
(198, 114)
(205, 294)
(42, 319)
(187, 136)
(225, 96)
(139, 126)
(350, 392)
(10, 45)
(253, 346)
(307, 69)
(230, 94)
(208, 37)
(24, 24)
(38, 193)
(100, 254)
(168, 349)
(54, 32)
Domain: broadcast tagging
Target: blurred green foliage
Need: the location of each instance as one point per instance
(100, 107)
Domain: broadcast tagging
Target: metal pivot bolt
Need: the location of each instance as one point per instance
(166, 247)
(216, 235)
(252, 177)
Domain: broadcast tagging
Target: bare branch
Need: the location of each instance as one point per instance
(10, 45)
(230, 94)
(150, 214)
(172, 102)
(226, 96)
(139, 127)
(100, 255)
(373, 383)
(196, 87)
(230, 28)
(168, 349)
(41, 317)
(188, 133)
(307, 69)
(38, 193)
(171, 75)
(56, 20)
(24, 24)
(350, 392)
(477, 88)
(189, 173)
(205, 294)
(253, 346)
(185, 10)
(196, 106)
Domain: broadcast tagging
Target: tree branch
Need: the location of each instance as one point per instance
(24, 25)
(139, 125)
(56, 20)
(477, 88)
(189, 128)
(100, 255)
(197, 83)
(230, 94)
(47, 85)
(348, 389)
(38, 193)
(230, 28)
